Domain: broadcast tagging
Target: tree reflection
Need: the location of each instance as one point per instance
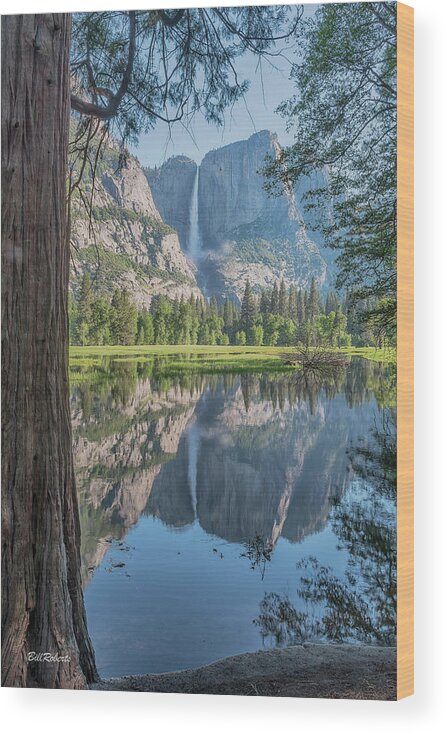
(361, 605)
(115, 379)
(259, 553)
(311, 382)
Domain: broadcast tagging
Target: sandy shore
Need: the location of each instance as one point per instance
(306, 671)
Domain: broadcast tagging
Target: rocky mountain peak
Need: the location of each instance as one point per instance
(231, 189)
(129, 189)
(128, 244)
(247, 232)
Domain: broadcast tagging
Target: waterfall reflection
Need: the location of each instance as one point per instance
(250, 456)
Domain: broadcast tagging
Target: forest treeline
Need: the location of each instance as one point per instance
(278, 316)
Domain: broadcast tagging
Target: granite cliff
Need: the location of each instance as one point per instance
(244, 232)
(172, 187)
(127, 244)
(141, 230)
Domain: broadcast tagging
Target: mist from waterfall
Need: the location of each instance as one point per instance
(194, 243)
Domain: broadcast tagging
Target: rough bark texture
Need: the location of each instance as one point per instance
(42, 602)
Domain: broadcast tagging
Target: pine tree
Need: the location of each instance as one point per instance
(204, 333)
(332, 303)
(248, 309)
(213, 306)
(146, 323)
(228, 318)
(73, 319)
(199, 307)
(235, 313)
(227, 314)
(293, 303)
(123, 318)
(264, 304)
(85, 308)
(313, 302)
(99, 327)
(301, 308)
(274, 300)
(282, 299)
(256, 335)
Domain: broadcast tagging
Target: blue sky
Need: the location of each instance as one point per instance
(269, 86)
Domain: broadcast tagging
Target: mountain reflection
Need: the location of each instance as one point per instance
(361, 605)
(251, 456)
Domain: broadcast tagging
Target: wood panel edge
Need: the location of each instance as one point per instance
(405, 351)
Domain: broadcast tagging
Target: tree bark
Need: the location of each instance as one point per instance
(42, 601)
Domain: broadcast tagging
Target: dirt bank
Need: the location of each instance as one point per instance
(306, 671)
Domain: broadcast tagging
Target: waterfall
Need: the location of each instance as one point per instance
(193, 438)
(194, 244)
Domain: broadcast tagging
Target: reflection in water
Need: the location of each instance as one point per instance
(362, 604)
(270, 469)
(259, 553)
(193, 453)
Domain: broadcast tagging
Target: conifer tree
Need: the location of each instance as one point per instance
(85, 307)
(264, 303)
(313, 301)
(282, 299)
(146, 324)
(332, 303)
(248, 309)
(123, 318)
(301, 309)
(274, 300)
(99, 327)
(293, 303)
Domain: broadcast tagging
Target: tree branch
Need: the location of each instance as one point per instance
(106, 113)
(390, 27)
(171, 20)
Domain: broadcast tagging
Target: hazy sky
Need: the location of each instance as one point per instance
(269, 85)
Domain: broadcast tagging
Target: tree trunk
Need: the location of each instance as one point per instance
(42, 600)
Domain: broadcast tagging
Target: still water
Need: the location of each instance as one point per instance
(226, 513)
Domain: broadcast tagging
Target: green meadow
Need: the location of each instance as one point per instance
(179, 358)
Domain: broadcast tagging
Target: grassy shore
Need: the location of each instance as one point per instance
(205, 358)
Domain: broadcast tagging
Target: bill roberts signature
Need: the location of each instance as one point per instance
(47, 657)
